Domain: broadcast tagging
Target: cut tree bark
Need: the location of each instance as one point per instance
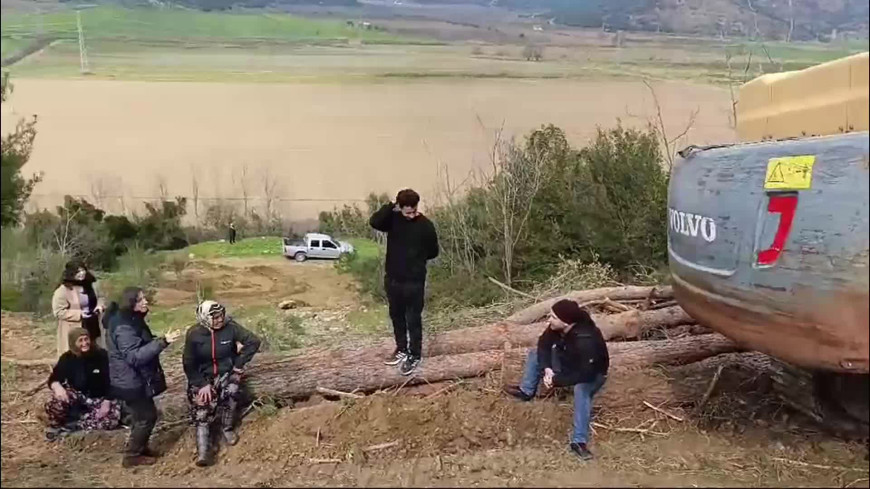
(629, 324)
(537, 311)
(296, 379)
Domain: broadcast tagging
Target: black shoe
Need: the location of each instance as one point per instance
(396, 358)
(136, 460)
(581, 451)
(409, 365)
(516, 392)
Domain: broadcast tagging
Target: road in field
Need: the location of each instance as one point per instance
(324, 142)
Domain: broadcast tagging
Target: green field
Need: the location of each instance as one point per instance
(142, 24)
(188, 45)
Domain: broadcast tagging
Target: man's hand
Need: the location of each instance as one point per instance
(548, 378)
(203, 396)
(396, 208)
(59, 392)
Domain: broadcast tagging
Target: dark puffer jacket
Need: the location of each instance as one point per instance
(134, 357)
(211, 353)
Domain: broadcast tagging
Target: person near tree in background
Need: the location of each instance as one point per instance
(232, 233)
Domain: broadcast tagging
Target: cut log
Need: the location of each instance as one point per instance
(537, 311)
(493, 336)
(297, 379)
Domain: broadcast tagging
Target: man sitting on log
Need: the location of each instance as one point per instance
(411, 242)
(580, 360)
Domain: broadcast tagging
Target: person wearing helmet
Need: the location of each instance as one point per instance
(214, 366)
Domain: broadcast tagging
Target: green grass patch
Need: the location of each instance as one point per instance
(113, 22)
(374, 320)
(263, 246)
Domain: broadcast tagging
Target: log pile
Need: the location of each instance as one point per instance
(622, 313)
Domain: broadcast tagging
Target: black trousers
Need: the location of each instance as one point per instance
(143, 417)
(406, 313)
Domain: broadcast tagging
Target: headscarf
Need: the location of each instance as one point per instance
(207, 310)
(73, 336)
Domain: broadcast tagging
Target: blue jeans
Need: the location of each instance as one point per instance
(583, 394)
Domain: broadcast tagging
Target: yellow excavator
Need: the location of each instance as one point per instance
(768, 238)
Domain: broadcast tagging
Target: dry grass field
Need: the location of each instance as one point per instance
(322, 143)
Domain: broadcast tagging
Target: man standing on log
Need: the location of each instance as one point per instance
(411, 242)
(571, 352)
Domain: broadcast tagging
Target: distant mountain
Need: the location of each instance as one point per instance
(777, 19)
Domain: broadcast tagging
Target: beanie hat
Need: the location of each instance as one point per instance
(569, 312)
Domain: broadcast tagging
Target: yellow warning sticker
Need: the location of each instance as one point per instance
(790, 173)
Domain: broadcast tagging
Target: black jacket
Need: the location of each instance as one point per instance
(211, 353)
(88, 374)
(410, 243)
(582, 354)
(134, 358)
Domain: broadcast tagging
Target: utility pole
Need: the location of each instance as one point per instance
(83, 51)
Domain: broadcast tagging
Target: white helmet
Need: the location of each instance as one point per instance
(207, 310)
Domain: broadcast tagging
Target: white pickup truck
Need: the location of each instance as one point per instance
(314, 245)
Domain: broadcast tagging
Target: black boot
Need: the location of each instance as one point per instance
(228, 418)
(203, 458)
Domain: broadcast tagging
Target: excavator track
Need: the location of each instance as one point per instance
(837, 402)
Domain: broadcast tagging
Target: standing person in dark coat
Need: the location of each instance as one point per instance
(232, 233)
(411, 243)
(134, 370)
(571, 352)
(214, 367)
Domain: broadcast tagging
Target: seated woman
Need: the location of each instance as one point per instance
(79, 386)
(214, 365)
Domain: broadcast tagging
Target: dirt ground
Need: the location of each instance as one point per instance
(469, 435)
(357, 138)
(256, 281)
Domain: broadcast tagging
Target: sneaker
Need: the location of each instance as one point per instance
(581, 451)
(516, 392)
(136, 460)
(396, 358)
(409, 365)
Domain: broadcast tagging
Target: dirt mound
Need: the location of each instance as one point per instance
(473, 435)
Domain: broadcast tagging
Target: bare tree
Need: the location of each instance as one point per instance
(514, 184)
(244, 185)
(194, 189)
(271, 193)
(99, 190)
(162, 187)
(670, 146)
(732, 122)
(65, 238)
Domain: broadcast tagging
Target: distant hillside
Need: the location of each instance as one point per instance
(772, 19)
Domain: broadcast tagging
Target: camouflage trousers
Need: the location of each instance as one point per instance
(223, 403)
(81, 413)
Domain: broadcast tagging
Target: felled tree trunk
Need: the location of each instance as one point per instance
(537, 311)
(493, 336)
(295, 378)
